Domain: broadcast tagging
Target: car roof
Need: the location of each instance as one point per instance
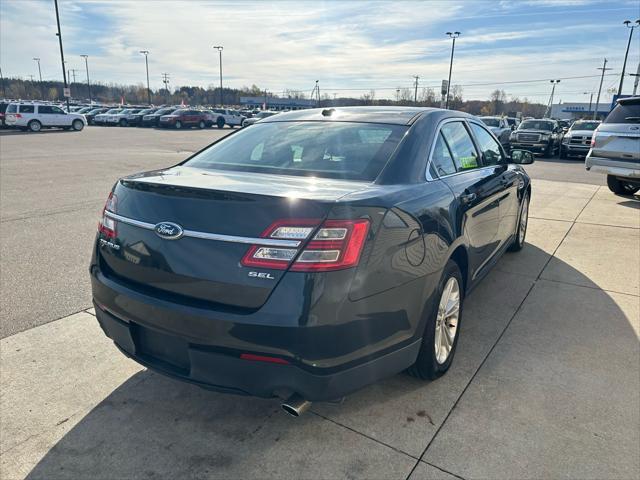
(381, 114)
(629, 101)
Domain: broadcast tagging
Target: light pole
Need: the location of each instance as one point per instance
(626, 54)
(146, 62)
(37, 59)
(453, 36)
(317, 94)
(415, 91)
(553, 90)
(220, 48)
(59, 34)
(590, 100)
(86, 64)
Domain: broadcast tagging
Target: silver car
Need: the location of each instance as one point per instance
(577, 141)
(500, 127)
(615, 148)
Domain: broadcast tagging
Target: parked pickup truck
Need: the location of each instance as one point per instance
(224, 116)
(615, 148)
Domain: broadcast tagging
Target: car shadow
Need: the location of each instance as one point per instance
(155, 427)
(10, 132)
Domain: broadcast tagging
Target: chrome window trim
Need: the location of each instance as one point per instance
(268, 242)
(462, 120)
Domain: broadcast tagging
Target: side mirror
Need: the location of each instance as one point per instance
(521, 157)
(513, 127)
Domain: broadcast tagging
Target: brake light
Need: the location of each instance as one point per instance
(336, 245)
(593, 140)
(107, 225)
(263, 358)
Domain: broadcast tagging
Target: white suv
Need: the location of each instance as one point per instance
(224, 116)
(36, 116)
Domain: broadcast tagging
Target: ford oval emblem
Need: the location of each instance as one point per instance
(168, 230)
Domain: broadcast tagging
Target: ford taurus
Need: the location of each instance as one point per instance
(312, 254)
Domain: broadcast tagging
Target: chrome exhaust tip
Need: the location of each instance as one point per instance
(295, 405)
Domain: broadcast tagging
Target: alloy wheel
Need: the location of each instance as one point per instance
(447, 320)
(524, 219)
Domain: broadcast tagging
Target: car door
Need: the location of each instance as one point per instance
(507, 179)
(46, 116)
(61, 118)
(476, 190)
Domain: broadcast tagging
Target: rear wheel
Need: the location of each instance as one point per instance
(178, 125)
(77, 125)
(220, 122)
(201, 125)
(620, 187)
(440, 337)
(35, 126)
(521, 228)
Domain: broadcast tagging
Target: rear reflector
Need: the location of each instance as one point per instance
(107, 225)
(336, 245)
(263, 358)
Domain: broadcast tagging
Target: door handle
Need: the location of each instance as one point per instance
(467, 198)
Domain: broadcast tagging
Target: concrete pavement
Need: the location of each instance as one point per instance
(545, 383)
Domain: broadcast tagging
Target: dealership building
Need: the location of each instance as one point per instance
(275, 103)
(575, 111)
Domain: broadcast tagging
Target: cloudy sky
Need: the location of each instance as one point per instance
(351, 47)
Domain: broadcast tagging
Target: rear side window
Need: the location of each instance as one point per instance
(441, 159)
(353, 151)
(491, 153)
(27, 108)
(624, 114)
(12, 108)
(464, 152)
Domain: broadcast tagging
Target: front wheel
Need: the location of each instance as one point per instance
(620, 187)
(521, 228)
(123, 122)
(201, 125)
(77, 125)
(178, 125)
(440, 337)
(220, 122)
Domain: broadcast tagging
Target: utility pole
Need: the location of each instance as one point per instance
(397, 94)
(37, 59)
(553, 90)
(453, 36)
(635, 82)
(604, 69)
(59, 34)
(165, 80)
(317, 94)
(626, 54)
(86, 64)
(73, 72)
(590, 100)
(415, 92)
(220, 48)
(265, 101)
(31, 78)
(146, 63)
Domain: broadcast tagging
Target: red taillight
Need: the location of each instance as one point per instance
(263, 358)
(593, 140)
(336, 245)
(107, 225)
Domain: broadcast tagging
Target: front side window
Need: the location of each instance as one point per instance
(464, 152)
(491, 153)
(352, 151)
(45, 109)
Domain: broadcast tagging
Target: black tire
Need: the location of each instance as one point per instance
(220, 122)
(123, 122)
(620, 187)
(178, 125)
(201, 124)
(77, 125)
(518, 240)
(548, 152)
(34, 126)
(427, 366)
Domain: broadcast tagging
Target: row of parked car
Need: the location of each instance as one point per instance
(544, 136)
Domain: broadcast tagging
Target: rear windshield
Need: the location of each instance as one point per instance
(624, 114)
(536, 125)
(490, 122)
(353, 151)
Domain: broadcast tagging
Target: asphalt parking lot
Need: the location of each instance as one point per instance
(546, 381)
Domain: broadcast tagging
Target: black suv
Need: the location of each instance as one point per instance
(541, 136)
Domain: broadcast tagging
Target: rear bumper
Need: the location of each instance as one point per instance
(226, 372)
(328, 355)
(622, 169)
